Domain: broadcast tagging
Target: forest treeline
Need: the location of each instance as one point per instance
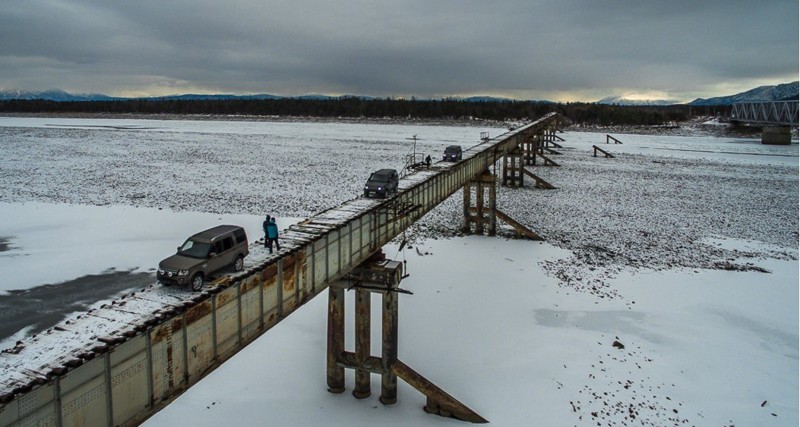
(585, 113)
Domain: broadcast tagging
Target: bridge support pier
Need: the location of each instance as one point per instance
(363, 309)
(549, 137)
(481, 213)
(335, 372)
(513, 168)
(383, 277)
(776, 135)
(529, 147)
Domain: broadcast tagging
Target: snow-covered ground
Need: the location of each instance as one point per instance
(683, 249)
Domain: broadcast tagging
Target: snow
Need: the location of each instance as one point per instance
(490, 327)
(110, 237)
(182, 165)
(683, 249)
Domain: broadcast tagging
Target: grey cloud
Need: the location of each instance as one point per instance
(401, 48)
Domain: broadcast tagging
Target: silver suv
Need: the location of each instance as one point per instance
(203, 254)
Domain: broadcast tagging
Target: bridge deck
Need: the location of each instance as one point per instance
(116, 364)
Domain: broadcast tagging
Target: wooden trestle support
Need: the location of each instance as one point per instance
(378, 275)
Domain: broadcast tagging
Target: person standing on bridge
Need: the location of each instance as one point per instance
(428, 161)
(272, 235)
(265, 225)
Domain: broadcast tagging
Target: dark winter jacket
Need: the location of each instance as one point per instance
(272, 230)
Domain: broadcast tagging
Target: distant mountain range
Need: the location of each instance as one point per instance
(619, 100)
(781, 92)
(63, 96)
(52, 95)
(786, 91)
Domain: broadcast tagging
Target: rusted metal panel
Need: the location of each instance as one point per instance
(167, 347)
(297, 281)
(35, 408)
(269, 290)
(365, 236)
(199, 340)
(251, 309)
(84, 394)
(227, 321)
(333, 255)
(9, 412)
(320, 263)
(371, 364)
(129, 381)
(269, 286)
(346, 247)
(291, 276)
(270, 273)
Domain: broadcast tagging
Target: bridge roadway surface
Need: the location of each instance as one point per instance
(314, 253)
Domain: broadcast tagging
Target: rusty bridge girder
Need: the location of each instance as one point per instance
(146, 354)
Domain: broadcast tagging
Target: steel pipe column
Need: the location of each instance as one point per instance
(335, 338)
(389, 348)
(362, 388)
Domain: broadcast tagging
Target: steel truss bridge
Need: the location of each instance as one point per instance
(144, 349)
(776, 113)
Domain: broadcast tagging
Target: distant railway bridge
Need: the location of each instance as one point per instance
(775, 117)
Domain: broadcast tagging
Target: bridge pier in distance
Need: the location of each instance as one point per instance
(513, 168)
(480, 205)
(529, 147)
(776, 135)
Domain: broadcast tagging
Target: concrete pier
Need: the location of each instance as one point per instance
(776, 135)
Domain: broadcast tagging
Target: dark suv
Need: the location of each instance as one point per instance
(202, 254)
(452, 153)
(381, 183)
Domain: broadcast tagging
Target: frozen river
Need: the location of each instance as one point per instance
(89, 207)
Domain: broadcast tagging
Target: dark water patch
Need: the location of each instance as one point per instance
(44, 306)
(5, 244)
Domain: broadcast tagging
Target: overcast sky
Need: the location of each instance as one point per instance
(559, 50)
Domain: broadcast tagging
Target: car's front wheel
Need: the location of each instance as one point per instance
(197, 282)
(238, 265)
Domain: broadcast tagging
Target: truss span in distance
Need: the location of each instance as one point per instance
(778, 113)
